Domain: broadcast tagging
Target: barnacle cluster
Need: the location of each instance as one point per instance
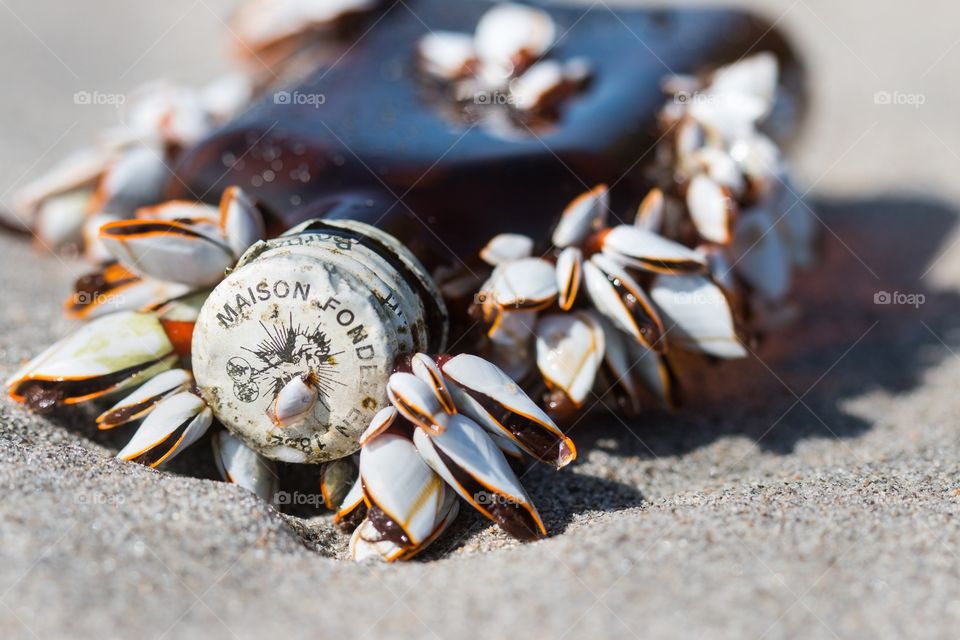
(597, 304)
(704, 266)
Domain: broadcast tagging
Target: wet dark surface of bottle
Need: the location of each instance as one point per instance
(443, 184)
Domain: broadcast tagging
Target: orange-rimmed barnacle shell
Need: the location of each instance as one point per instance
(112, 353)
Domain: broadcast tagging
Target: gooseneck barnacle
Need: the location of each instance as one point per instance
(417, 385)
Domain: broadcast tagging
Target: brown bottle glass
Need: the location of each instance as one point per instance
(388, 148)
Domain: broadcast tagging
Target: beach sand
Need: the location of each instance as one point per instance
(810, 491)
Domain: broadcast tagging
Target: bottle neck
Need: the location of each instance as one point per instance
(378, 209)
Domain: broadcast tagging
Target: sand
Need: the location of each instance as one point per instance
(810, 491)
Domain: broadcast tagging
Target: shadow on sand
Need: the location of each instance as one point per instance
(843, 345)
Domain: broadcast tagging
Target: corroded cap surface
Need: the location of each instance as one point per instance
(321, 307)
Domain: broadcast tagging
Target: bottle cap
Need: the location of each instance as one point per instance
(323, 304)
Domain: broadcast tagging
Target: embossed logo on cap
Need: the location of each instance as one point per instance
(292, 352)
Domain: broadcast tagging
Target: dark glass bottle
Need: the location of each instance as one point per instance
(399, 151)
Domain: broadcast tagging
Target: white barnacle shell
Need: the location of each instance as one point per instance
(569, 276)
(729, 115)
(489, 396)
(511, 341)
(618, 296)
(185, 309)
(529, 283)
(112, 353)
(60, 219)
(178, 210)
(738, 96)
(145, 398)
(241, 222)
(585, 215)
(548, 82)
(380, 423)
(697, 315)
(78, 171)
(174, 424)
(650, 212)
(124, 291)
(577, 71)
(226, 95)
(514, 454)
(427, 370)
(471, 463)
(368, 543)
(689, 138)
(405, 495)
(447, 55)
(675, 84)
(179, 251)
(540, 86)
(107, 281)
(721, 167)
(135, 179)
(242, 466)
(654, 373)
(416, 401)
(145, 295)
(163, 112)
(759, 158)
(570, 349)
(262, 23)
(511, 36)
(295, 401)
(490, 77)
(337, 478)
(351, 502)
(712, 209)
(756, 76)
(641, 249)
(506, 247)
(617, 357)
(93, 249)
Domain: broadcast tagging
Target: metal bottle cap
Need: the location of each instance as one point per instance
(323, 303)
